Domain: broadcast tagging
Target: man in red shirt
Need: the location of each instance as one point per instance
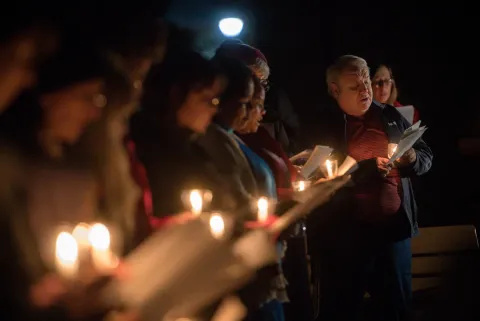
(377, 217)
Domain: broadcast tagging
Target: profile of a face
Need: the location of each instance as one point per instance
(239, 107)
(68, 111)
(353, 92)
(199, 107)
(382, 85)
(256, 110)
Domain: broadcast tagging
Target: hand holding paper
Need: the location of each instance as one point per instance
(408, 139)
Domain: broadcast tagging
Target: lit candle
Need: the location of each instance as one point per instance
(196, 202)
(217, 225)
(262, 205)
(328, 165)
(80, 233)
(301, 186)
(66, 255)
(392, 148)
(102, 257)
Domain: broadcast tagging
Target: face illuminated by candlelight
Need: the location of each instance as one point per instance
(217, 225)
(262, 205)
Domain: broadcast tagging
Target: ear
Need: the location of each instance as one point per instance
(334, 90)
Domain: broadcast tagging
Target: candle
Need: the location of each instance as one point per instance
(300, 186)
(66, 255)
(196, 202)
(330, 169)
(102, 257)
(392, 148)
(217, 225)
(262, 205)
(328, 164)
(80, 233)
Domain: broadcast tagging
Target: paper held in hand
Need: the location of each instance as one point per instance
(317, 157)
(408, 139)
(179, 271)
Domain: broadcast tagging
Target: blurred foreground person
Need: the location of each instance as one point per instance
(35, 129)
(364, 245)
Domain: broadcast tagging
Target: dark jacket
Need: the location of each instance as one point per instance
(395, 125)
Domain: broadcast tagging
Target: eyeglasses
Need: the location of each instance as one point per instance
(382, 82)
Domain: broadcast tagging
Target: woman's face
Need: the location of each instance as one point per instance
(200, 106)
(70, 110)
(239, 107)
(382, 85)
(255, 111)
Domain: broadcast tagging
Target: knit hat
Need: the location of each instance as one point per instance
(249, 55)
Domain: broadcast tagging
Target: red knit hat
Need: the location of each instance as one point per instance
(249, 55)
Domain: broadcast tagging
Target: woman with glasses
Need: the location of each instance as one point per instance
(385, 90)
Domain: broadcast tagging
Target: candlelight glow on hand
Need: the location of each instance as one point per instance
(66, 255)
(392, 148)
(217, 225)
(262, 206)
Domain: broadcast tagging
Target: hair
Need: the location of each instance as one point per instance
(184, 71)
(238, 76)
(346, 63)
(394, 92)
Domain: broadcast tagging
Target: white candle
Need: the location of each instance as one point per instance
(196, 202)
(262, 205)
(103, 258)
(217, 225)
(328, 165)
(66, 255)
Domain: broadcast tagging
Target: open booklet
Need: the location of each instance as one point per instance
(180, 271)
(408, 139)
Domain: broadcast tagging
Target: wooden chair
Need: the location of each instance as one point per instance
(436, 251)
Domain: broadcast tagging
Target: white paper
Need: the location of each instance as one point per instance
(407, 112)
(181, 270)
(409, 138)
(318, 157)
(348, 166)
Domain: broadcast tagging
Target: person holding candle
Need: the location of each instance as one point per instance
(364, 244)
(181, 96)
(68, 96)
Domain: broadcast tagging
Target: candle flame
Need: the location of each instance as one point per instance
(66, 249)
(301, 186)
(99, 237)
(196, 201)
(80, 233)
(217, 225)
(262, 206)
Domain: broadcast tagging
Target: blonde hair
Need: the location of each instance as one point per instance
(394, 91)
(346, 63)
